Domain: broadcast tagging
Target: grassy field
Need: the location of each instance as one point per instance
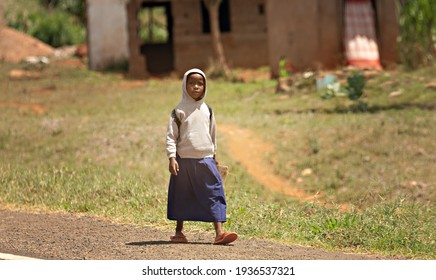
(95, 143)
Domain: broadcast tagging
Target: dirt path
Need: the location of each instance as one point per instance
(251, 153)
(37, 109)
(67, 236)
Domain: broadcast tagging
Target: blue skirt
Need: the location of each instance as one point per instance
(196, 193)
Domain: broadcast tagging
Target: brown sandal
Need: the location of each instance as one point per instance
(226, 238)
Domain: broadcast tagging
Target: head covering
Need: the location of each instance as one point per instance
(186, 97)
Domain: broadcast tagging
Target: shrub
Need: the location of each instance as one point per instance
(417, 33)
(54, 28)
(58, 29)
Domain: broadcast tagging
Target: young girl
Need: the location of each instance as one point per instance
(195, 190)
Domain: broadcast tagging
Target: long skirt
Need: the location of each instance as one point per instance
(196, 193)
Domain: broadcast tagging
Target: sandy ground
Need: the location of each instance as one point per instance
(63, 236)
(16, 46)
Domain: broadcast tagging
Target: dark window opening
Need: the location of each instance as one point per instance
(156, 33)
(261, 9)
(224, 17)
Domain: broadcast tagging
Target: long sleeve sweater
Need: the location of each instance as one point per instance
(195, 138)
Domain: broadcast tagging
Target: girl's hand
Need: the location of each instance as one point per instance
(174, 166)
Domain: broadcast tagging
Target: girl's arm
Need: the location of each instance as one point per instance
(171, 146)
(213, 132)
(172, 135)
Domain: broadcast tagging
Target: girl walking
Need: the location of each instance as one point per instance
(195, 191)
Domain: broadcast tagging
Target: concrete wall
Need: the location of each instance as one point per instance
(305, 32)
(107, 32)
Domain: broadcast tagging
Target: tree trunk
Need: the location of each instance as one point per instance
(213, 9)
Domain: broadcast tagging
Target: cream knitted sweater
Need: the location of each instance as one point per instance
(196, 138)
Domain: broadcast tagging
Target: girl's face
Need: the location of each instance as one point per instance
(195, 86)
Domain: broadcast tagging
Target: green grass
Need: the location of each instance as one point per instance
(99, 149)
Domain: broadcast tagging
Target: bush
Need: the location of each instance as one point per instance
(54, 28)
(58, 29)
(417, 33)
(76, 8)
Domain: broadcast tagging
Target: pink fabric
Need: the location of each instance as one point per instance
(361, 48)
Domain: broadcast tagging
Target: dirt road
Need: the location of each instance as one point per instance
(72, 237)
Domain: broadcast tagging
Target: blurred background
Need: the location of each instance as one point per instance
(155, 37)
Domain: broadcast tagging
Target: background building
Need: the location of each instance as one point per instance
(309, 34)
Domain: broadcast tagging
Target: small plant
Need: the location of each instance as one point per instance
(330, 88)
(284, 76)
(354, 88)
(283, 71)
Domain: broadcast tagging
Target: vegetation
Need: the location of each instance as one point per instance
(219, 63)
(76, 8)
(98, 149)
(417, 40)
(153, 25)
(63, 22)
(57, 24)
(329, 88)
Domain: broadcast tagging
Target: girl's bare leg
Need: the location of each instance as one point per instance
(179, 237)
(179, 228)
(218, 228)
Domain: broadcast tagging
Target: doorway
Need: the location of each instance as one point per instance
(156, 32)
(361, 34)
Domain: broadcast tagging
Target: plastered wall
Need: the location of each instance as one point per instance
(107, 33)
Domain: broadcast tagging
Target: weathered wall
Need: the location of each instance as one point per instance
(330, 33)
(1, 14)
(107, 32)
(308, 33)
(388, 26)
(244, 46)
(137, 61)
(310, 36)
